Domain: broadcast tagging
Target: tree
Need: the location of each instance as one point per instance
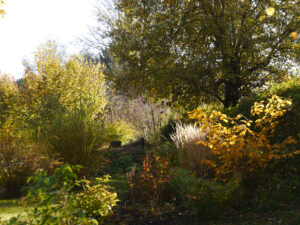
(60, 84)
(196, 51)
(8, 98)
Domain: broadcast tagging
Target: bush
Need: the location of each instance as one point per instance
(288, 89)
(186, 138)
(51, 195)
(204, 197)
(97, 201)
(147, 117)
(119, 131)
(244, 147)
(149, 184)
(72, 136)
(19, 159)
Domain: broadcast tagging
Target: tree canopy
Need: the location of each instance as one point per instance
(195, 51)
(56, 83)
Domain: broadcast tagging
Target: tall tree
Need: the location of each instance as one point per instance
(58, 84)
(195, 51)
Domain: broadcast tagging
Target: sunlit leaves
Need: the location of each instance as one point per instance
(202, 51)
(270, 11)
(294, 35)
(63, 84)
(241, 145)
(9, 95)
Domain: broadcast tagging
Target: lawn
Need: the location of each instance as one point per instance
(11, 208)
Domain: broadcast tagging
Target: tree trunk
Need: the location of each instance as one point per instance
(232, 93)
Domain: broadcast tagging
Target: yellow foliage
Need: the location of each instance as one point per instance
(242, 146)
(270, 11)
(71, 84)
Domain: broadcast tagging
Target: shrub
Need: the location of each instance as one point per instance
(52, 197)
(67, 85)
(205, 197)
(97, 201)
(72, 136)
(191, 153)
(287, 89)
(19, 159)
(119, 131)
(243, 147)
(149, 184)
(147, 117)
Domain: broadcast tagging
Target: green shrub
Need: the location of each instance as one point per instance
(119, 131)
(51, 195)
(205, 197)
(168, 129)
(97, 201)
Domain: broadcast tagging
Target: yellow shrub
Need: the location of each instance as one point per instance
(241, 146)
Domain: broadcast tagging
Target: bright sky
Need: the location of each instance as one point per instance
(29, 23)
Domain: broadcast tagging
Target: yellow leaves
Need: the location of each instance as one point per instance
(270, 11)
(2, 13)
(257, 109)
(289, 141)
(262, 17)
(208, 163)
(235, 146)
(294, 35)
(70, 84)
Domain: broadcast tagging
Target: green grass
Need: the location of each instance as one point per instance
(11, 208)
(119, 185)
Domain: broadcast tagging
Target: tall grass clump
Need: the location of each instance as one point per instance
(147, 117)
(72, 137)
(19, 159)
(191, 153)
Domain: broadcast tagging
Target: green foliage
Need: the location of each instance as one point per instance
(97, 201)
(2, 11)
(205, 197)
(201, 51)
(121, 163)
(168, 129)
(51, 193)
(119, 131)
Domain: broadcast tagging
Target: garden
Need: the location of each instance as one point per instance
(184, 118)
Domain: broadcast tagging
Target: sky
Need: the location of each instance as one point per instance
(30, 23)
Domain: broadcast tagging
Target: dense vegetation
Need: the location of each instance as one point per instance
(184, 119)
